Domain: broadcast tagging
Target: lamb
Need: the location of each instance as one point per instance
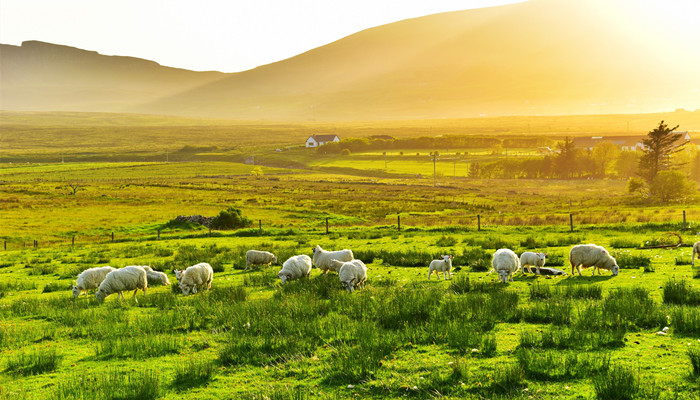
(505, 262)
(195, 278)
(322, 258)
(335, 265)
(437, 266)
(90, 279)
(127, 278)
(353, 274)
(696, 251)
(155, 277)
(294, 268)
(257, 257)
(591, 255)
(529, 258)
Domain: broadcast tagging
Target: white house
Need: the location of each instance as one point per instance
(320, 140)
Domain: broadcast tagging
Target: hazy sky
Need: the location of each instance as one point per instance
(222, 35)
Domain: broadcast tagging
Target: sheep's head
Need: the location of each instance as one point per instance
(283, 276)
(541, 256)
(615, 270)
(274, 259)
(503, 275)
(100, 295)
(76, 291)
(349, 285)
(178, 274)
(316, 249)
(186, 289)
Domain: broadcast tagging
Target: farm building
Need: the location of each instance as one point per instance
(632, 143)
(320, 140)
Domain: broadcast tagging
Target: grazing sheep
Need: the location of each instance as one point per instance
(529, 258)
(353, 274)
(90, 279)
(437, 266)
(505, 262)
(336, 264)
(322, 258)
(155, 277)
(258, 257)
(127, 278)
(591, 255)
(178, 274)
(196, 277)
(295, 267)
(696, 251)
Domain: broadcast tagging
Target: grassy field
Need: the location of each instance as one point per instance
(403, 336)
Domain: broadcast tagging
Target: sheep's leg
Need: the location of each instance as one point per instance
(430, 273)
(537, 267)
(578, 268)
(134, 296)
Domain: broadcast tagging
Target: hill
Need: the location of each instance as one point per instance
(536, 58)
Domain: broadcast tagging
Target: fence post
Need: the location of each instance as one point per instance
(209, 231)
(113, 236)
(158, 234)
(478, 222)
(72, 241)
(326, 225)
(684, 225)
(571, 221)
(260, 226)
(398, 221)
(5, 244)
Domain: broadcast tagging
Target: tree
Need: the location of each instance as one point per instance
(660, 144)
(626, 164)
(565, 162)
(604, 154)
(74, 187)
(231, 218)
(671, 185)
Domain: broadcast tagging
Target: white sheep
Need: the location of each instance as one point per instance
(437, 266)
(196, 277)
(505, 262)
(696, 251)
(591, 255)
(353, 274)
(155, 277)
(529, 258)
(127, 278)
(335, 265)
(258, 257)
(90, 279)
(322, 258)
(295, 267)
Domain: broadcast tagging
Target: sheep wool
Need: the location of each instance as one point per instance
(336, 264)
(529, 258)
(90, 279)
(696, 252)
(505, 262)
(353, 274)
(196, 277)
(443, 265)
(294, 268)
(157, 278)
(124, 279)
(322, 258)
(258, 257)
(591, 255)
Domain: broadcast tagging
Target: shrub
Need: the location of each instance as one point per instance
(231, 218)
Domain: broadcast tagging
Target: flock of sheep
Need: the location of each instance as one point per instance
(352, 272)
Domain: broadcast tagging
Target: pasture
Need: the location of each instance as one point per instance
(403, 336)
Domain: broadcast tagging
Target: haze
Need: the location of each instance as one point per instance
(225, 36)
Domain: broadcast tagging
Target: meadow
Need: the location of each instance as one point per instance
(402, 336)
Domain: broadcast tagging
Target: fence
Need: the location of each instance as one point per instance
(400, 222)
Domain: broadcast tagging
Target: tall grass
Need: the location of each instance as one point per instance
(112, 384)
(617, 383)
(193, 373)
(358, 359)
(625, 260)
(33, 363)
(138, 347)
(680, 292)
(685, 320)
(551, 365)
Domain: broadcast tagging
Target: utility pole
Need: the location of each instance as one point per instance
(434, 156)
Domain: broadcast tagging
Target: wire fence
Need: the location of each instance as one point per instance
(477, 223)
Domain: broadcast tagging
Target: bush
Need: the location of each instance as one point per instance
(231, 218)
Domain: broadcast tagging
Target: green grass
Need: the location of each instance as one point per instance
(33, 363)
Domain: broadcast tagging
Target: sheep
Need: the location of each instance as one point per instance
(336, 264)
(529, 258)
(295, 267)
(322, 258)
(591, 255)
(127, 278)
(90, 279)
(551, 271)
(195, 278)
(505, 262)
(353, 274)
(155, 277)
(437, 266)
(257, 257)
(696, 251)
